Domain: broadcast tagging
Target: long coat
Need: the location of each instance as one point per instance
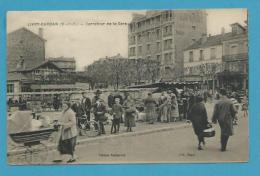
(69, 126)
(130, 112)
(99, 112)
(150, 105)
(198, 116)
(174, 108)
(224, 113)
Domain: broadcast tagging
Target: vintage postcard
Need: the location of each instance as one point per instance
(127, 86)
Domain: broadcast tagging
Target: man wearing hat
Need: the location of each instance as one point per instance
(99, 110)
(224, 114)
(96, 97)
(86, 105)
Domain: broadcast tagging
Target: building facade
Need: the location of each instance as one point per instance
(29, 71)
(219, 60)
(162, 36)
(43, 77)
(25, 49)
(65, 63)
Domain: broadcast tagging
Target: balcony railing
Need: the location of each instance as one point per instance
(235, 57)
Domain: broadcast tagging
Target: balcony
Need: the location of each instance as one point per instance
(235, 57)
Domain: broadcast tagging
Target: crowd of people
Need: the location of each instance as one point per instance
(170, 106)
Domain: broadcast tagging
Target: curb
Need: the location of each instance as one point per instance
(101, 138)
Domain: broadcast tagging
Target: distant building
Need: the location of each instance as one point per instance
(25, 49)
(64, 63)
(43, 77)
(219, 60)
(162, 36)
(28, 71)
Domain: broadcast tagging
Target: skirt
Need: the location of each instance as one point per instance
(151, 115)
(67, 146)
(129, 120)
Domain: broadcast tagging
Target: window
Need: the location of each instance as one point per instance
(233, 49)
(158, 57)
(158, 34)
(191, 56)
(10, 88)
(158, 46)
(133, 39)
(167, 30)
(148, 47)
(201, 55)
(140, 49)
(139, 37)
(167, 44)
(148, 35)
(148, 22)
(194, 28)
(158, 18)
(132, 51)
(139, 25)
(213, 53)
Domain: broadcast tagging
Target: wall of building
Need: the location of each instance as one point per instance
(68, 66)
(189, 27)
(207, 56)
(24, 45)
(241, 45)
(167, 38)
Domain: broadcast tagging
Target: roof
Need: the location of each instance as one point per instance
(214, 40)
(16, 76)
(40, 65)
(64, 59)
(27, 30)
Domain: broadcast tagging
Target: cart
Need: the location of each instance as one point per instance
(32, 142)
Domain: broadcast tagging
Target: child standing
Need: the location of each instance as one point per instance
(117, 111)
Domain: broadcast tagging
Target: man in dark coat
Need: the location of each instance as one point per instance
(110, 100)
(198, 116)
(86, 105)
(99, 110)
(224, 113)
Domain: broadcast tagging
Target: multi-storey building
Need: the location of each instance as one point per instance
(219, 60)
(25, 49)
(27, 68)
(64, 63)
(162, 36)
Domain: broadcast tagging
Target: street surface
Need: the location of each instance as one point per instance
(174, 146)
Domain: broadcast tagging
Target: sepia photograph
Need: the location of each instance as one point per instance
(127, 86)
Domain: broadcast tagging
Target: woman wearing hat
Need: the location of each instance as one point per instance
(198, 116)
(150, 107)
(68, 132)
(174, 108)
(130, 113)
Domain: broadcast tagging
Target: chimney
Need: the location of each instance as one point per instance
(40, 32)
(204, 38)
(222, 30)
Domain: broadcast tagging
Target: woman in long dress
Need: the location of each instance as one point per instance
(174, 108)
(130, 113)
(150, 108)
(163, 107)
(68, 132)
